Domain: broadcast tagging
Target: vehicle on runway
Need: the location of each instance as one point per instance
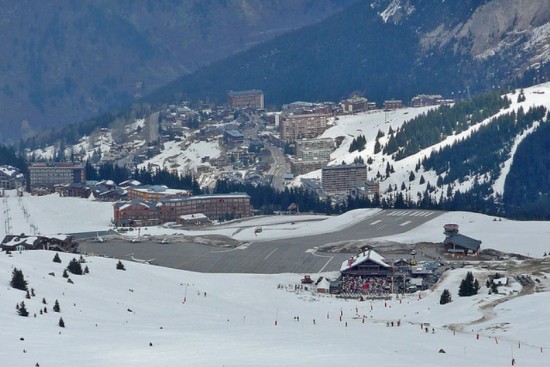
(135, 240)
(164, 241)
(142, 261)
(98, 238)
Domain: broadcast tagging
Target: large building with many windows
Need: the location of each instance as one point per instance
(339, 180)
(155, 192)
(300, 126)
(216, 206)
(50, 174)
(245, 99)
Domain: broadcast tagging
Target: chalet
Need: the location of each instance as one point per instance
(233, 137)
(194, 220)
(22, 242)
(11, 178)
(458, 244)
(366, 264)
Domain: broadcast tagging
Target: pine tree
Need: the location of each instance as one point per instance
(65, 275)
(23, 310)
(61, 322)
(44, 301)
(56, 258)
(120, 265)
(468, 286)
(445, 297)
(28, 295)
(75, 267)
(18, 280)
(86, 270)
(56, 307)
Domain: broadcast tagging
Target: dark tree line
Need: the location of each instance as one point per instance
(527, 185)
(482, 153)
(430, 128)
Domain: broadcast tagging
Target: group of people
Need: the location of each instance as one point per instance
(365, 286)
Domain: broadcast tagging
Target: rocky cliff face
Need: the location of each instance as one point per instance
(491, 31)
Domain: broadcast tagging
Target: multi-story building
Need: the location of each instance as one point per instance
(298, 126)
(136, 213)
(301, 167)
(155, 193)
(314, 148)
(311, 155)
(246, 99)
(393, 104)
(354, 104)
(233, 137)
(425, 100)
(50, 174)
(11, 178)
(217, 206)
(339, 180)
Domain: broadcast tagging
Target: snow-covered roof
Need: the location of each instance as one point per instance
(362, 257)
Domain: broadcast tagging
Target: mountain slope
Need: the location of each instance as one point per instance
(149, 315)
(479, 159)
(378, 50)
(65, 61)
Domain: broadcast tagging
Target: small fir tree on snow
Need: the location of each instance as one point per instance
(56, 307)
(75, 267)
(45, 309)
(65, 274)
(28, 295)
(445, 297)
(70, 281)
(86, 270)
(18, 280)
(81, 259)
(23, 310)
(61, 322)
(56, 258)
(120, 265)
(44, 301)
(32, 292)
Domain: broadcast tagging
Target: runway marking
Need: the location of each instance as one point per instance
(405, 223)
(376, 222)
(326, 264)
(193, 259)
(271, 253)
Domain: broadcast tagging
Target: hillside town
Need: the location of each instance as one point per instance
(248, 145)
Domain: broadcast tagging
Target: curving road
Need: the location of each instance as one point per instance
(292, 255)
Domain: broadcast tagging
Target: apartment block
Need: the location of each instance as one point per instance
(339, 180)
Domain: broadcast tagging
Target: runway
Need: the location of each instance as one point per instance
(292, 255)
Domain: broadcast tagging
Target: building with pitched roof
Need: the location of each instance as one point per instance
(457, 244)
(368, 263)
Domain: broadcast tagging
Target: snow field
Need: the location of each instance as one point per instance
(234, 323)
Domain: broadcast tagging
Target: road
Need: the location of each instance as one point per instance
(278, 168)
(292, 255)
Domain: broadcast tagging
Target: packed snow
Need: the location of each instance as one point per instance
(149, 315)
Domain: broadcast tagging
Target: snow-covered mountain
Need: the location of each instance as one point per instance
(385, 123)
